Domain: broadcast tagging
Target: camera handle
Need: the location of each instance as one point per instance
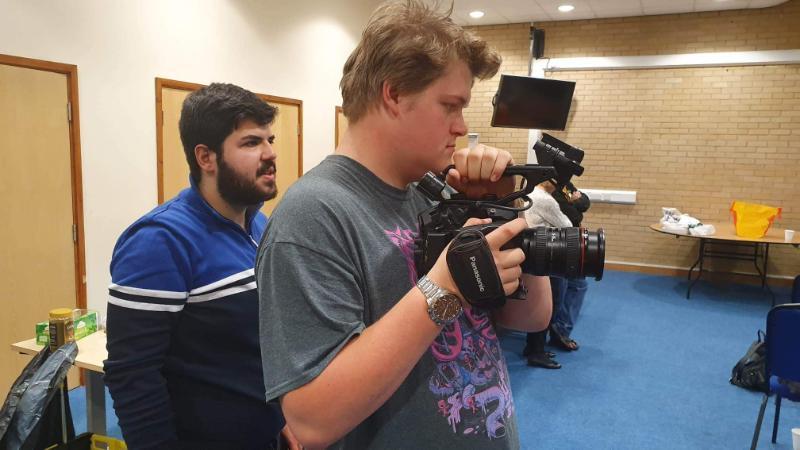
(433, 186)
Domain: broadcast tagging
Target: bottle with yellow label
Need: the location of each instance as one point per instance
(61, 327)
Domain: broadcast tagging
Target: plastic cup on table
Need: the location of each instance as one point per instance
(796, 438)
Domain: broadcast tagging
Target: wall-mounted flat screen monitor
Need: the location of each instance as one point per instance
(533, 103)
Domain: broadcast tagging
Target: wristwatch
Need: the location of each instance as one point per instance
(443, 306)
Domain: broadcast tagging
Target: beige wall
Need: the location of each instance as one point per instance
(690, 138)
(288, 49)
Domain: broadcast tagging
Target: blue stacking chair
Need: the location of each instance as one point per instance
(783, 361)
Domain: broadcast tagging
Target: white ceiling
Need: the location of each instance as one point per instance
(517, 11)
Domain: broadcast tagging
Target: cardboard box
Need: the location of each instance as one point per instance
(84, 325)
(42, 334)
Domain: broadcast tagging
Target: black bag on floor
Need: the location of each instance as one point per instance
(751, 371)
(31, 417)
(15, 393)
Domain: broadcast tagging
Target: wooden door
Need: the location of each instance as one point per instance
(287, 144)
(341, 125)
(40, 268)
(173, 170)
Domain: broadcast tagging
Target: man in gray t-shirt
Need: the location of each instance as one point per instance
(359, 351)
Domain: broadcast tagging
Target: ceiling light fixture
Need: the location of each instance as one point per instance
(566, 8)
(476, 14)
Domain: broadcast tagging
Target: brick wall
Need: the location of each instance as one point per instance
(513, 42)
(691, 138)
(775, 28)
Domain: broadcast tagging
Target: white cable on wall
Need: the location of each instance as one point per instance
(714, 59)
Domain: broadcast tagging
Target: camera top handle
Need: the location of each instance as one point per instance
(433, 187)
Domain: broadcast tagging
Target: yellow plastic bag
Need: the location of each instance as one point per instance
(753, 220)
(100, 442)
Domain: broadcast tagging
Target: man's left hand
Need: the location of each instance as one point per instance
(479, 171)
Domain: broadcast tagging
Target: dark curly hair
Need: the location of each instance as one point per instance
(211, 114)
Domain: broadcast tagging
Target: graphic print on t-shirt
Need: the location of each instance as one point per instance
(470, 380)
(404, 240)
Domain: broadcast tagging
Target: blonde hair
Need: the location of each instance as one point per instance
(409, 44)
(548, 185)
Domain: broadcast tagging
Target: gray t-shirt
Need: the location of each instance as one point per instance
(338, 253)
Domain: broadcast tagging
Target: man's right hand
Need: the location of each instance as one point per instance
(507, 261)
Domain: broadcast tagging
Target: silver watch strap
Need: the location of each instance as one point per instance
(429, 289)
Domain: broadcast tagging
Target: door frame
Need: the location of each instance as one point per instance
(336, 137)
(162, 83)
(71, 72)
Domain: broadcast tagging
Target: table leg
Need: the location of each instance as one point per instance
(95, 402)
(762, 271)
(696, 262)
(764, 283)
(700, 254)
(62, 399)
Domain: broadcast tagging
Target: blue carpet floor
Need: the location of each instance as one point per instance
(652, 372)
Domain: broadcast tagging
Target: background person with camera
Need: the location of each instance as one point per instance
(544, 211)
(362, 352)
(573, 204)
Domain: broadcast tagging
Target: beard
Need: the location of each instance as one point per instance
(237, 190)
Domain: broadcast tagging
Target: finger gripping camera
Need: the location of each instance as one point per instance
(571, 252)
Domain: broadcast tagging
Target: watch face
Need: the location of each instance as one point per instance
(447, 307)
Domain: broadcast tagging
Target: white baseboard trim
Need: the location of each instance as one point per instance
(686, 269)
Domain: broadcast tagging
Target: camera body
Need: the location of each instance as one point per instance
(569, 252)
(572, 252)
(440, 224)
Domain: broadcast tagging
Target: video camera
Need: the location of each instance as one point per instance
(571, 252)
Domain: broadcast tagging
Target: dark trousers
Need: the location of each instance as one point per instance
(564, 319)
(535, 341)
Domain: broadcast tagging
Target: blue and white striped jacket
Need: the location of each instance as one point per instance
(184, 359)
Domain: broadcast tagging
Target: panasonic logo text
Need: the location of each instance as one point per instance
(476, 273)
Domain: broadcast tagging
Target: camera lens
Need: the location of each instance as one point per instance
(565, 252)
